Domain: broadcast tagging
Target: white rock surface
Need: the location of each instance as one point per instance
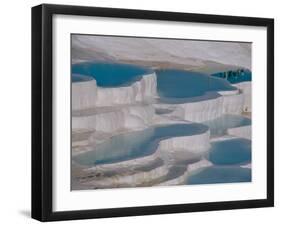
(125, 164)
(138, 91)
(192, 52)
(199, 165)
(84, 94)
(233, 104)
(126, 117)
(200, 111)
(130, 180)
(87, 94)
(198, 143)
(194, 145)
(243, 132)
(246, 88)
(105, 112)
(228, 102)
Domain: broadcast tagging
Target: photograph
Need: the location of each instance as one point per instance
(145, 112)
(150, 111)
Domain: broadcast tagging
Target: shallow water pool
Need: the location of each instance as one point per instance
(219, 126)
(136, 144)
(219, 174)
(231, 151)
(179, 84)
(111, 74)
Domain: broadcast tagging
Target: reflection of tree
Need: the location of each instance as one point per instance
(231, 75)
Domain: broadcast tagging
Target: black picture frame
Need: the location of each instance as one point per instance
(42, 107)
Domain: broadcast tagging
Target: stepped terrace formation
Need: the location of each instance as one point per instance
(183, 119)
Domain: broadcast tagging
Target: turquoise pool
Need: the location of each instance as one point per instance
(227, 156)
(219, 126)
(136, 144)
(111, 74)
(221, 174)
(231, 151)
(174, 85)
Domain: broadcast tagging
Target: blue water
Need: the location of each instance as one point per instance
(80, 78)
(226, 155)
(219, 174)
(111, 74)
(232, 151)
(136, 144)
(235, 76)
(181, 84)
(219, 126)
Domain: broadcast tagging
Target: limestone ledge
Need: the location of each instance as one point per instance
(87, 94)
(246, 89)
(175, 181)
(128, 117)
(131, 180)
(242, 132)
(175, 143)
(227, 102)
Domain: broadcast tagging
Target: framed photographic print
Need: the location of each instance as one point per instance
(146, 112)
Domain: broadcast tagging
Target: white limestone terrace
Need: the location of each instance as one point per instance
(226, 155)
(242, 131)
(114, 119)
(246, 89)
(151, 154)
(155, 173)
(197, 167)
(88, 95)
(212, 106)
(152, 170)
(153, 141)
(139, 115)
(174, 153)
(124, 177)
(107, 111)
(126, 111)
(108, 86)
